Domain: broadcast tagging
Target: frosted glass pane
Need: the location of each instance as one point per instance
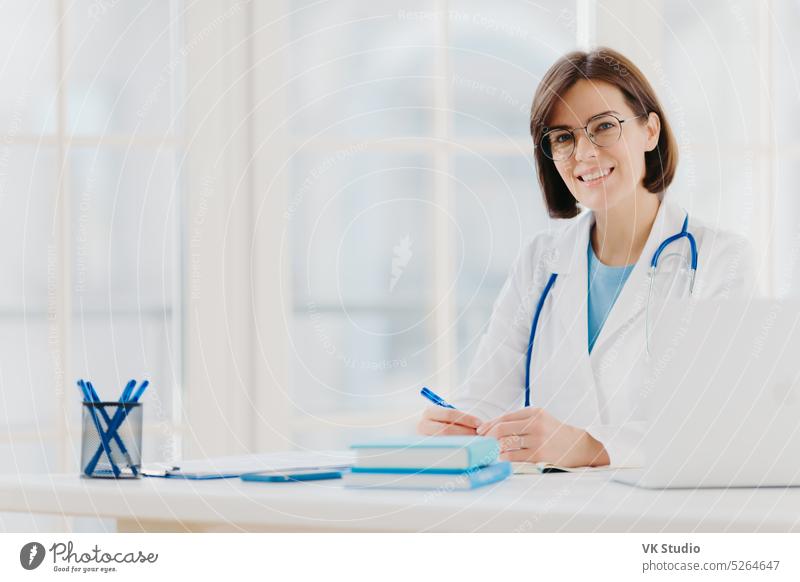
(120, 69)
(712, 76)
(362, 247)
(28, 182)
(499, 208)
(28, 179)
(28, 44)
(787, 228)
(362, 229)
(27, 390)
(361, 68)
(499, 53)
(723, 191)
(366, 361)
(786, 71)
(124, 228)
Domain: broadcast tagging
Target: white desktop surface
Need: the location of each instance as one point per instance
(527, 503)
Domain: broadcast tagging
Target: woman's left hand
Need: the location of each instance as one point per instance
(534, 435)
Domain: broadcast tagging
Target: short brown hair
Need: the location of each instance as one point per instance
(601, 64)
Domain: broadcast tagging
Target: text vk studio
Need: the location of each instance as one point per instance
(686, 548)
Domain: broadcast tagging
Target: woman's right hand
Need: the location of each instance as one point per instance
(437, 421)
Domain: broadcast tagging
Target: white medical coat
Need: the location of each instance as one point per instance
(601, 392)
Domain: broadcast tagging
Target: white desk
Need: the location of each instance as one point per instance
(553, 502)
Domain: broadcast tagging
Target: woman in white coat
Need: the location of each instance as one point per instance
(602, 142)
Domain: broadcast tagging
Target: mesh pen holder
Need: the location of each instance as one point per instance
(111, 440)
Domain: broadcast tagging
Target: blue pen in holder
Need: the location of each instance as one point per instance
(111, 438)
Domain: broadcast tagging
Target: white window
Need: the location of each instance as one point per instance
(91, 204)
(411, 189)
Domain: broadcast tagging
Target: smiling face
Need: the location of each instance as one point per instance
(601, 178)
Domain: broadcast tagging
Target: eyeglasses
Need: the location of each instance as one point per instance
(603, 130)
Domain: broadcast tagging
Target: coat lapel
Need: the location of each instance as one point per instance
(570, 290)
(633, 297)
(569, 390)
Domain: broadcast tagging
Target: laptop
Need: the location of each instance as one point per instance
(723, 396)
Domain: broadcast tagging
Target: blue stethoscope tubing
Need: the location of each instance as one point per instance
(684, 233)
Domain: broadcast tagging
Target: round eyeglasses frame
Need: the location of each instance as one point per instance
(585, 129)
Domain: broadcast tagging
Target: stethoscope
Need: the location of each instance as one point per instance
(692, 265)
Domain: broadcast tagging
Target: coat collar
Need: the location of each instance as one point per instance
(569, 261)
(569, 248)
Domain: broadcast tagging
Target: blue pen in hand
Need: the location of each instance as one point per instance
(435, 398)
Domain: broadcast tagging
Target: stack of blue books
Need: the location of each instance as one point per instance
(445, 462)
